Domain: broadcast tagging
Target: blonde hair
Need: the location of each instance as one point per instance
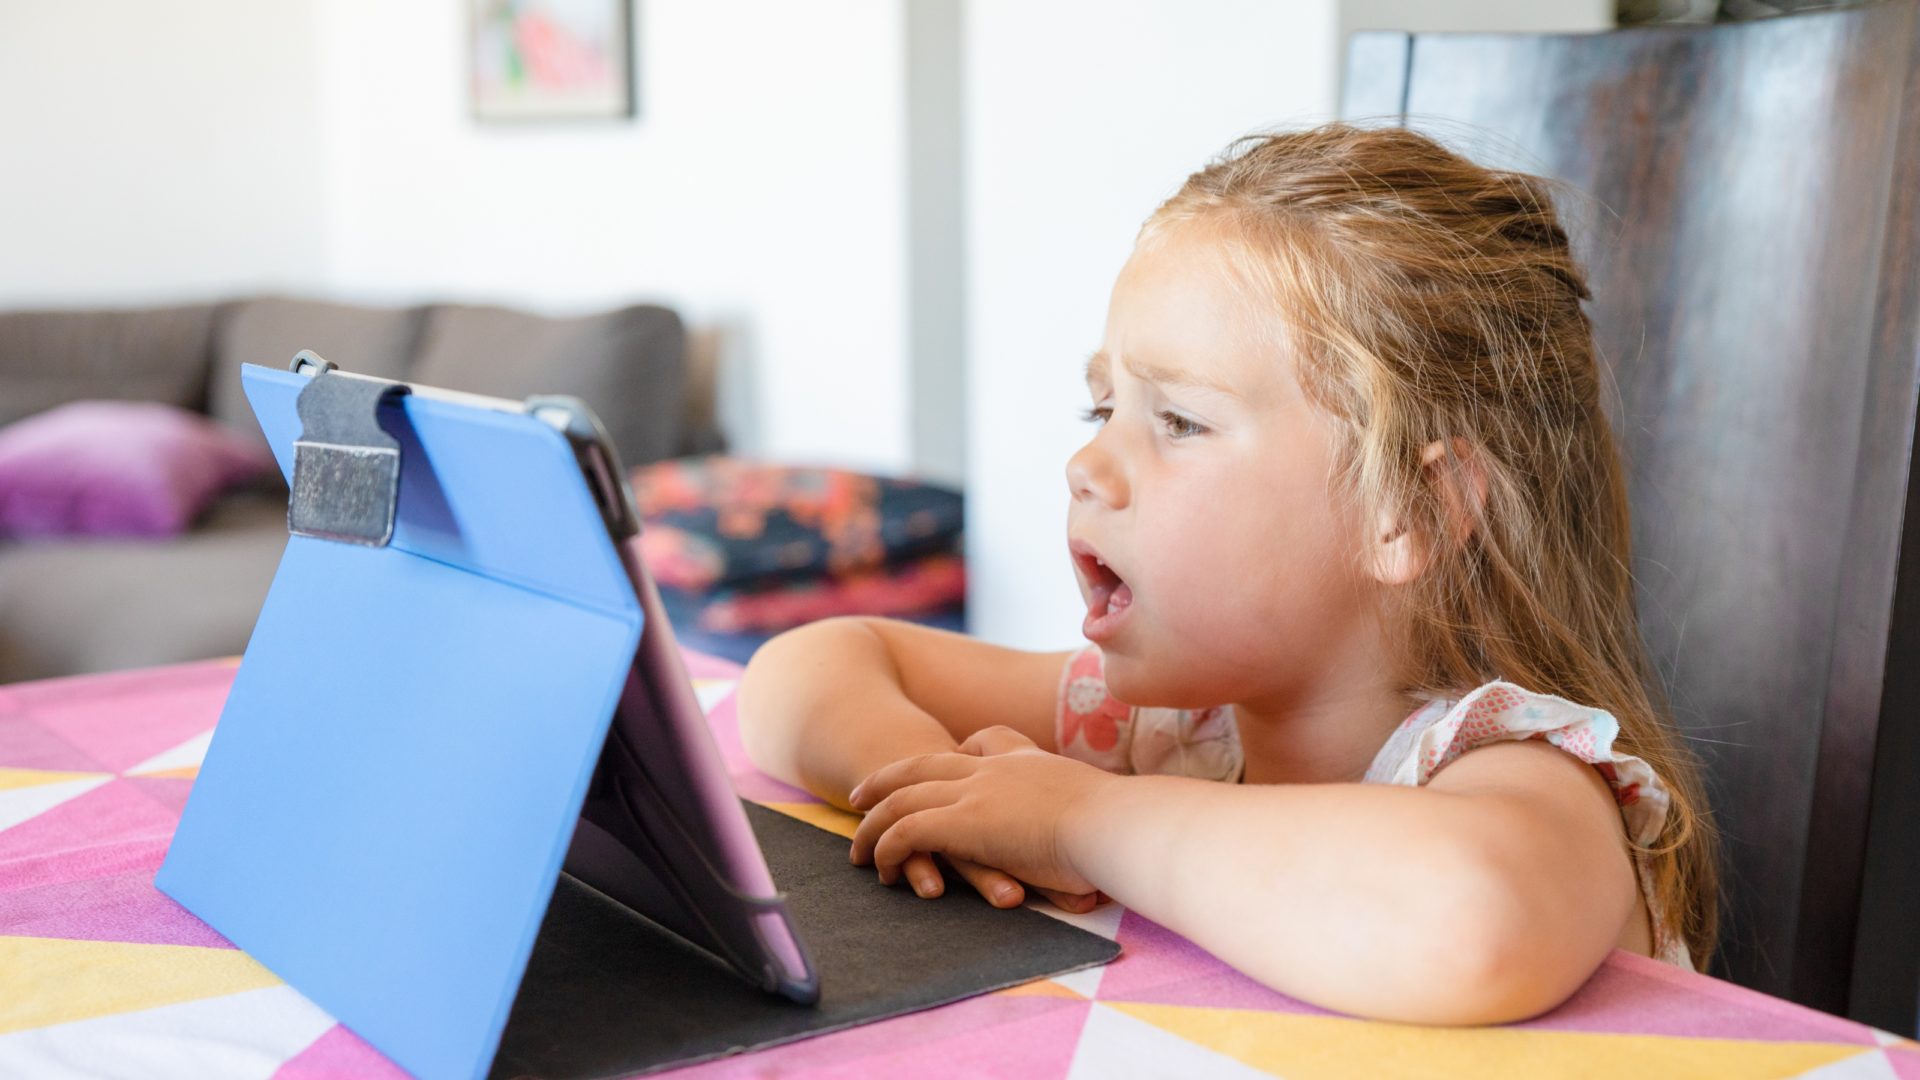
(1428, 298)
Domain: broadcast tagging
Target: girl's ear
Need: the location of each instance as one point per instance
(1399, 554)
(1462, 481)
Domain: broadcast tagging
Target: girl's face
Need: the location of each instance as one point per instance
(1230, 573)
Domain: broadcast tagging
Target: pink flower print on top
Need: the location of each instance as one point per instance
(1096, 718)
(1091, 724)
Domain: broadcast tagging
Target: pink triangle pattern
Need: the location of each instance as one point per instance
(724, 720)
(991, 1035)
(168, 791)
(339, 1053)
(1160, 967)
(758, 786)
(1628, 995)
(123, 718)
(112, 907)
(25, 744)
(1637, 995)
(113, 828)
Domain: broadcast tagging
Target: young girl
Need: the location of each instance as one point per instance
(1365, 711)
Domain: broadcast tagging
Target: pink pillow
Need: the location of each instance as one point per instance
(117, 468)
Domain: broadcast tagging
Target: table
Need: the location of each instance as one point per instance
(100, 974)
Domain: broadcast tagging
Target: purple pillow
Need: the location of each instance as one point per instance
(117, 468)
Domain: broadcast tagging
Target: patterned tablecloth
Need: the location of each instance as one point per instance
(101, 975)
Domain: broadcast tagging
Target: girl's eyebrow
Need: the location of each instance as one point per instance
(1098, 366)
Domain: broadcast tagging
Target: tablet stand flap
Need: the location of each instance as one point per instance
(346, 471)
(383, 811)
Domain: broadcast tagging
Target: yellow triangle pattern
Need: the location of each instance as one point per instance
(20, 778)
(184, 772)
(828, 817)
(1309, 1047)
(47, 981)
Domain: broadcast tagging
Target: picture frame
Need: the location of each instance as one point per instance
(550, 60)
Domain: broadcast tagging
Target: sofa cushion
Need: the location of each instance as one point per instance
(920, 585)
(48, 358)
(117, 468)
(628, 365)
(375, 341)
(108, 604)
(720, 522)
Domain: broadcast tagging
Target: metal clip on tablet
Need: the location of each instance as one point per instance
(346, 470)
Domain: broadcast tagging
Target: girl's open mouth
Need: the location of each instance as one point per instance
(1109, 597)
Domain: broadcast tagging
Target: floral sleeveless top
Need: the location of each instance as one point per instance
(1093, 726)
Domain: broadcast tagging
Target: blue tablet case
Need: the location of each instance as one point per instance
(384, 750)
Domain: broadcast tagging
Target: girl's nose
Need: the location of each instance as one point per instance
(1093, 473)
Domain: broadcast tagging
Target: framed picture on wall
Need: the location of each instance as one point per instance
(551, 59)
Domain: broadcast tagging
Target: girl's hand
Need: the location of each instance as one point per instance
(922, 868)
(997, 802)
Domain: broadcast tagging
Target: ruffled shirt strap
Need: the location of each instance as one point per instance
(1092, 725)
(1434, 737)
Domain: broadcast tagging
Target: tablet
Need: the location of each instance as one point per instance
(461, 688)
(662, 830)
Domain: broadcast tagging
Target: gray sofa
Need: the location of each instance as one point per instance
(72, 606)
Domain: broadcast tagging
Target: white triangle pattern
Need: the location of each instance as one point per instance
(249, 1034)
(1115, 1046)
(712, 692)
(1085, 982)
(1103, 920)
(192, 752)
(1872, 1065)
(25, 803)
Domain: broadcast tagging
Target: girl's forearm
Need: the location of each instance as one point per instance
(1398, 918)
(821, 707)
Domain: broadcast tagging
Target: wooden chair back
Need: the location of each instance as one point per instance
(1750, 232)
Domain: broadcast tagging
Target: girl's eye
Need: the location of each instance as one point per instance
(1096, 415)
(1179, 427)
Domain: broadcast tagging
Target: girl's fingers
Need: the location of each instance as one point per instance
(1078, 903)
(998, 739)
(989, 882)
(924, 875)
(918, 769)
(885, 819)
(918, 830)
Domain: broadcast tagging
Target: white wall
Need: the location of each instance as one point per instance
(760, 192)
(156, 153)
